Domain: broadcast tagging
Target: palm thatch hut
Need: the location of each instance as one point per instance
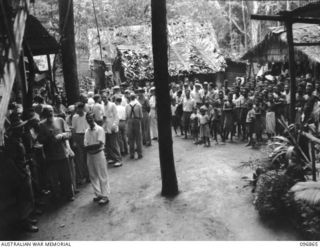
(274, 46)
(129, 50)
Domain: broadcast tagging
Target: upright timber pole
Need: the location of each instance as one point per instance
(69, 60)
(161, 78)
(292, 71)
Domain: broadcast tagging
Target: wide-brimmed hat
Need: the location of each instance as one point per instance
(203, 108)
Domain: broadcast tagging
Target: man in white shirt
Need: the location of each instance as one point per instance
(79, 127)
(196, 95)
(94, 140)
(111, 128)
(122, 134)
(90, 100)
(153, 114)
(187, 105)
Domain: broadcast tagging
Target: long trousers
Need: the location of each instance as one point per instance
(59, 172)
(80, 157)
(122, 136)
(98, 174)
(186, 122)
(145, 126)
(154, 123)
(112, 147)
(134, 135)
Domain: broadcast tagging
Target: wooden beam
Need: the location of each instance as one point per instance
(282, 18)
(267, 17)
(307, 44)
(291, 71)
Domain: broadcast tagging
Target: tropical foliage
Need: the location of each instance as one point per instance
(230, 19)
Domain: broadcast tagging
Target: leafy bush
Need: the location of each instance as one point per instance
(271, 189)
(304, 216)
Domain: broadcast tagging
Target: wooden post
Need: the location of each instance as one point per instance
(31, 75)
(68, 51)
(161, 78)
(51, 79)
(23, 81)
(313, 162)
(292, 73)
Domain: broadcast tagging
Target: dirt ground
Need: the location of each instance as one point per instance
(213, 203)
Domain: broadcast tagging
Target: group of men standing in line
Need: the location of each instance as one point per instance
(61, 148)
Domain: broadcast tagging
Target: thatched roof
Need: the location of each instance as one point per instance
(39, 39)
(192, 47)
(274, 47)
(308, 10)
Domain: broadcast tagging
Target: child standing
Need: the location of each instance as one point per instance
(250, 123)
(194, 126)
(204, 126)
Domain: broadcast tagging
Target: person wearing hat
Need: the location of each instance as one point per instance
(153, 114)
(53, 134)
(116, 93)
(134, 116)
(94, 140)
(145, 122)
(18, 174)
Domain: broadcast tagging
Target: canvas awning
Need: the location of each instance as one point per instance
(38, 38)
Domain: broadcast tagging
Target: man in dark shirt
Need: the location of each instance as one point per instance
(53, 134)
(19, 175)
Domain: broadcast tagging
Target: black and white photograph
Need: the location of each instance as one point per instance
(159, 120)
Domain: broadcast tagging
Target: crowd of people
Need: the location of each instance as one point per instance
(52, 149)
(246, 110)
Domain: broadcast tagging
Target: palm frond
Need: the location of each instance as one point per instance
(281, 138)
(290, 152)
(278, 156)
(307, 191)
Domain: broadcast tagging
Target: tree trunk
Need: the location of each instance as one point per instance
(230, 25)
(255, 24)
(244, 26)
(69, 59)
(161, 78)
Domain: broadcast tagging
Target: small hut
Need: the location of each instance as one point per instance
(274, 47)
